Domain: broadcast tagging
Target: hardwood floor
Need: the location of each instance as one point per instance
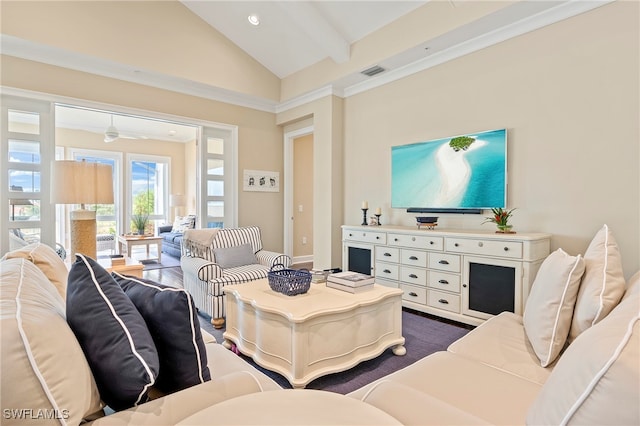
(166, 276)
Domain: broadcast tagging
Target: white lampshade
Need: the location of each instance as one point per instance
(81, 182)
(177, 200)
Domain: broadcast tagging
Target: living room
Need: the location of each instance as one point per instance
(550, 88)
(566, 91)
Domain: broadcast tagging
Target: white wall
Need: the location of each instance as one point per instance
(568, 95)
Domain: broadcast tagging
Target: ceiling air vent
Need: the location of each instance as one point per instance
(370, 72)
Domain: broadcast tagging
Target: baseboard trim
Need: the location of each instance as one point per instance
(302, 259)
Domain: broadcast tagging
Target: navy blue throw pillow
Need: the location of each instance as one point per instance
(172, 319)
(112, 334)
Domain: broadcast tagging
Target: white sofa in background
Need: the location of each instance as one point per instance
(215, 257)
(493, 375)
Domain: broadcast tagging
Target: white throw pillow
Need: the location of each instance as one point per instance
(48, 261)
(45, 374)
(602, 284)
(597, 379)
(182, 223)
(547, 315)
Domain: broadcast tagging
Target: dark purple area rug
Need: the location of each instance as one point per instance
(424, 334)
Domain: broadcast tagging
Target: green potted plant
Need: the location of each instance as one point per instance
(501, 219)
(139, 222)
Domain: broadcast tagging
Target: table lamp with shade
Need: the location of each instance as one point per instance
(176, 201)
(82, 182)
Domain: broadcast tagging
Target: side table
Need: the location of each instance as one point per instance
(130, 267)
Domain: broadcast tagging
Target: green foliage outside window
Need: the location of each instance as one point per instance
(143, 203)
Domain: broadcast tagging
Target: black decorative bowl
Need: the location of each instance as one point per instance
(426, 219)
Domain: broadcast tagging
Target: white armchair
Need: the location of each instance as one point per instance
(212, 258)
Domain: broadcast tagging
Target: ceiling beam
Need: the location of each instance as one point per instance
(309, 20)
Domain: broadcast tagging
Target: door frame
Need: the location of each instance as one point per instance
(289, 138)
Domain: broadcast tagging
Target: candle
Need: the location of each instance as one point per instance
(378, 210)
(365, 204)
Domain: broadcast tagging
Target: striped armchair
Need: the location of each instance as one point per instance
(205, 277)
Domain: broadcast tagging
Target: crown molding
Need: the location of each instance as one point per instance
(314, 95)
(14, 46)
(516, 28)
(25, 49)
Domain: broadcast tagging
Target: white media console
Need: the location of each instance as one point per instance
(466, 276)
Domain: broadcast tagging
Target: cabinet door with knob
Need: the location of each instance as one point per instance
(466, 276)
(491, 286)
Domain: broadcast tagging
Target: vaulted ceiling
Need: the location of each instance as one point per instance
(288, 36)
(294, 37)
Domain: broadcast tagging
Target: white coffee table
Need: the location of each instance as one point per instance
(313, 334)
(126, 242)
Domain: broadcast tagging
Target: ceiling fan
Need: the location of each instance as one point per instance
(112, 133)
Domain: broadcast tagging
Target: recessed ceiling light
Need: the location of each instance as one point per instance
(254, 19)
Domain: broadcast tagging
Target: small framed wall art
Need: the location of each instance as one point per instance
(260, 180)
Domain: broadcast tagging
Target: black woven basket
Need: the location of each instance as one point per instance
(289, 281)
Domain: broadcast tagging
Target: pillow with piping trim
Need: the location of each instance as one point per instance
(43, 367)
(172, 320)
(47, 260)
(602, 285)
(112, 334)
(549, 308)
(596, 379)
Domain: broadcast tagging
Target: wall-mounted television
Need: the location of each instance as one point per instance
(465, 173)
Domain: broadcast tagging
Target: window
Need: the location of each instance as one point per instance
(106, 214)
(149, 189)
(218, 188)
(26, 133)
(28, 142)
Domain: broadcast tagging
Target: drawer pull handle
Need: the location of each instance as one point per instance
(431, 242)
(388, 254)
(446, 302)
(443, 262)
(413, 276)
(456, 244)
(413, 258)
(506, 249)
(443, 282)
(351, 235)
(480, 244)
(386, 271)
(395, 239)
(377, 238)
(413, 294)
(413, 238)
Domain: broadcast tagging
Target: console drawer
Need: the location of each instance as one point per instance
(415, 276)
(414, 258)
(387, 254)
(417, 241)
(365, 236)
(444, 281)
(441, 300)
(414, 294)
(444, 262)
(387, 271)
(497, 248)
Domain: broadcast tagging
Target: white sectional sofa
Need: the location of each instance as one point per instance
(493, 375)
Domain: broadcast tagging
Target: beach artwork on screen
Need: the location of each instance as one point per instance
(466, 171)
